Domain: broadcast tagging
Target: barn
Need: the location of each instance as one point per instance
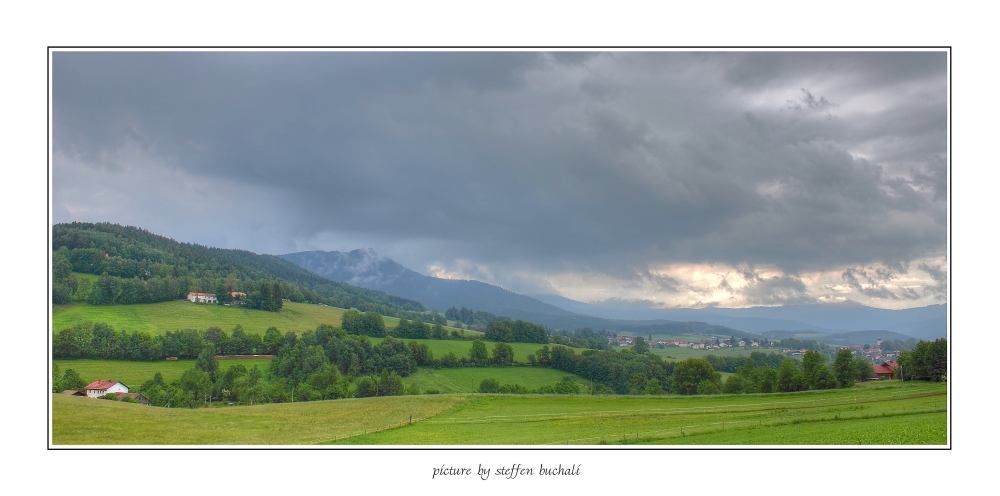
(882, 372)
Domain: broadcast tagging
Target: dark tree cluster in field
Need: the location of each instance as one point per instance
(733, 363)
(566, 385)
(623, 372)
(200, 387)
(790, 376)
(753, 377)
(517, 331)
(582, 338)
(417, 329)
(363, 324)
(143, 267)
(928, 361)
(101, 341)
(69, 380)
(64, 283)
(796, 344)
(469, 317)
(696, 376)
(301, 356)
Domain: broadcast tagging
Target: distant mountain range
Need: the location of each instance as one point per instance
(368, 269)
(928, 322)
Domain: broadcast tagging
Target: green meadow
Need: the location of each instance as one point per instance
(158, 318)
(74, 418)
(870, 414)
(854, 416)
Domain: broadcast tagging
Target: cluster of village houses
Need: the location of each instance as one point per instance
(663, 343)
(873, 354)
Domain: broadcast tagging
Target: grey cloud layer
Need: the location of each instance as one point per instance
(601, 162)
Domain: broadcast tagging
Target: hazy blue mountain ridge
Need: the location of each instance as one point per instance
(927, 322)
(368, 269)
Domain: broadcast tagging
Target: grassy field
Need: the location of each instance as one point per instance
(461, 380)
(855, 416)
(74, 418)
(158, 318)
(133, 374)
(871, 414)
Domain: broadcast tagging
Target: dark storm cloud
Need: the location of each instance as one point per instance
(774, 290)
(602, 162)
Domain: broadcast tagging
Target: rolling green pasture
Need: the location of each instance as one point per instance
(74, 418)
(133, 374)
(460, 380)
(871, 414)
(911, 413)
(158, 318)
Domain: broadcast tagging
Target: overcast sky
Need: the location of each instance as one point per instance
(685, 179)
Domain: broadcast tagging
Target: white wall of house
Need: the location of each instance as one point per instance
(97, 393)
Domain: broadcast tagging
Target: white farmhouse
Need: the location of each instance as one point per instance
(98, 389)
(202, 298)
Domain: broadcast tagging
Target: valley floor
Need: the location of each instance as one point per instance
(870, 414)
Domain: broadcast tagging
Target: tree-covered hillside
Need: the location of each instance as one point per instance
(138, 266)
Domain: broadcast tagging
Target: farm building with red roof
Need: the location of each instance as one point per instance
(98, 389)
(882, 372)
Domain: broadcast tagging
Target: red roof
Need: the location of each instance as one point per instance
(891, 364)
(201, 294)
(101, 385)
(882, 370)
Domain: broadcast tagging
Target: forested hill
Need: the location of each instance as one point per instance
(150, 267)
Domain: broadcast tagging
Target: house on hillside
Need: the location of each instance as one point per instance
(202, 298)
(98, 389)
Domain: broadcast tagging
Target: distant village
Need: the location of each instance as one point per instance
(873, 354)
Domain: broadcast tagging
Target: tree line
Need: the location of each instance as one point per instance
(469, 317)
(927, 361)
(517, 331)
